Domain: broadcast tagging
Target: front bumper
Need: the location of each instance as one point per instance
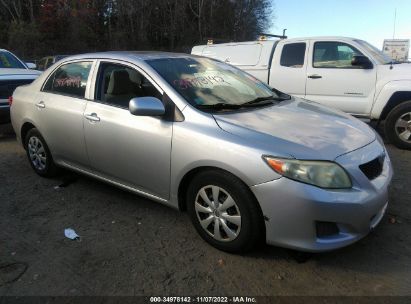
(293, 209)
(4, 111)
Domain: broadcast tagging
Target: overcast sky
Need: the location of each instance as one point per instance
(371, 20)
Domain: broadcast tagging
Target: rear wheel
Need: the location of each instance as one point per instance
(398, 125)
(39, 154)
(224, 212)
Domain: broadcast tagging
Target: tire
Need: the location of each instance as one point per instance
(244, 219)
(398, 126)
(39, 155)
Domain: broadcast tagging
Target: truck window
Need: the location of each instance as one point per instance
(337, 55)
(293, 55)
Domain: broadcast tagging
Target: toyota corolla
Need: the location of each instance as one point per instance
(246, 161)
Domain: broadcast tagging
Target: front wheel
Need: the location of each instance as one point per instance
(224, 212)
(398, 125)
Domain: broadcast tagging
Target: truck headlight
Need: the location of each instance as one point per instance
(323, 174)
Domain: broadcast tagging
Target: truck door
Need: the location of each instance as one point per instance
(333, 81)
(288, 68)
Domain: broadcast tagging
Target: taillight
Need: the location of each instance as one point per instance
(10, 100)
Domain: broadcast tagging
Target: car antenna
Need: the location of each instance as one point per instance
(393, 36)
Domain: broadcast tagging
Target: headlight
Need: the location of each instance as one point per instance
(324, 174)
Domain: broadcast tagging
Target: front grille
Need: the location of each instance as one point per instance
(7, 87)
(373, 168)
(325, 229)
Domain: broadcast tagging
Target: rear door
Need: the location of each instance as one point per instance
(132, 150)
(59, 112)
(333, 81)
(288, 72)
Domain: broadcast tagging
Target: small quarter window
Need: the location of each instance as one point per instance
(69, 79)
(293, 55)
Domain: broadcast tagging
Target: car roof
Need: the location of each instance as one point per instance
(127, 55)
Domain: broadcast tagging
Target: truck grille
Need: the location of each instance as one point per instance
(7, 87)
(373, 168)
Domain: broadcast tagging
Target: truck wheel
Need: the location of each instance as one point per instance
(224, 212)
(398, 126)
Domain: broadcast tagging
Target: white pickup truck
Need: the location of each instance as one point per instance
(345, 73)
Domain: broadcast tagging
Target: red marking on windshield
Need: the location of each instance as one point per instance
(199, 82)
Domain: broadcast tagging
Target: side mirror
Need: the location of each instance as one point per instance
(146, 106)
(362, 62)
(31, 65)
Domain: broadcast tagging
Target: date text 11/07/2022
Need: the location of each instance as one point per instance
(201, 299)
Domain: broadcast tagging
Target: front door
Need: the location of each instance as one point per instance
(333, 81)
(132, 150)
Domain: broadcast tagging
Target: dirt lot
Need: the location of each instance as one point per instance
(132, 246)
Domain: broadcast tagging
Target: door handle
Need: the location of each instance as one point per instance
(40, 105)
(315, 76)
(92, 117)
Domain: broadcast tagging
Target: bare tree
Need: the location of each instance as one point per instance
(43, 27)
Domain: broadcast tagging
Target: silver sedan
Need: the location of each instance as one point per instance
(246, 161)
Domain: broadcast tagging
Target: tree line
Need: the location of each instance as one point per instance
(36, 28)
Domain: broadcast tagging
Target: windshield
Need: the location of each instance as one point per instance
(376, 53)
(206, 83)
(9, 61)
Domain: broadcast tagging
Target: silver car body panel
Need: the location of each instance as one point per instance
(151, 156)
(133, 150)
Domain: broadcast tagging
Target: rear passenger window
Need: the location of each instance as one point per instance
(69, 79)
(293, 55)
(117, 84)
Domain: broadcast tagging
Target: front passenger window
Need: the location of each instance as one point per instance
(334, 55)
(117, 84)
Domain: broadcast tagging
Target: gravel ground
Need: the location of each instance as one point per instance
(132, 246)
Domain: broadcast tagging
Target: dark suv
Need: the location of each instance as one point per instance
(13, 73)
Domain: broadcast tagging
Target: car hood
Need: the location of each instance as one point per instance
(300, 129)
(18, 73)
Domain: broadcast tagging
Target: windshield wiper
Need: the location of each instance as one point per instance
(262, 101)
(219, 106)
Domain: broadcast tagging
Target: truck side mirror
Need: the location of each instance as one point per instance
(362, 61)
